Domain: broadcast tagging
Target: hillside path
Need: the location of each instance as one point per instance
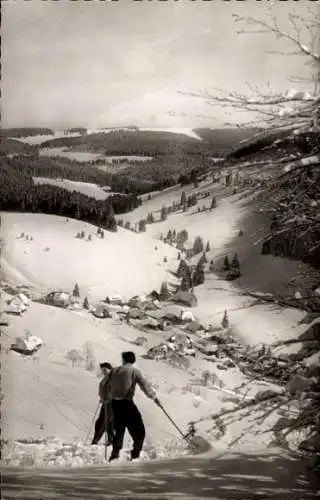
(235, 476)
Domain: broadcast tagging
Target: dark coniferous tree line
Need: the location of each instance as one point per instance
(19, 193)
(66, 168)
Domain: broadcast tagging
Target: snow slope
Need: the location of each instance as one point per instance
(123, 262)
(64, 398)
(233, 476)
(189, 132)
(87, 188)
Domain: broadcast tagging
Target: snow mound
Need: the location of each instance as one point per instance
(55, 453)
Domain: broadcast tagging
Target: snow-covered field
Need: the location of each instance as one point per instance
(122, 262)
(35, 140)
(189, 132)
(87, 188)
(81, 156)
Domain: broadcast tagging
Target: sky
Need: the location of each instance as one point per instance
(115, 63)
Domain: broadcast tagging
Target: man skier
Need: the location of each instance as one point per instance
(104, 422)
(121, 389)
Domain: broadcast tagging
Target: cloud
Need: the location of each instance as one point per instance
(120, 62)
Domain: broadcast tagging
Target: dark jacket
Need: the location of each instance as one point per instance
(103, 388)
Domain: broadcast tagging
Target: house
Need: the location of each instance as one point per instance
(136, 313)
(17, 304)
(115, 300)
(135, 302)
(185, 297)
(172, 317)
(58, 299)
(101, 311)
(151, 323)
(186, 316)
(27, 346)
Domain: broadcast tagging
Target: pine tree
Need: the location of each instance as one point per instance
(198, 245)
(127, 225)
(89, 237)
(164, 213)
(102, 234)
(112, 225)
(142, 225)
(179, 256)
(110, 221)
(183, 199)
(164, 292)
(198, 275)
(78, 235)
(206, 377)
(225, 320)
(226, 263)
(165, 259)
(169, 235)
(86, 303)
(182, 237)
(174, 234)
(150, 218)
(82, 234)
(76, 291)
(213, 203)
(208, 247)
(204, 258)
(186, 282)
(235, 262)
(182, 268)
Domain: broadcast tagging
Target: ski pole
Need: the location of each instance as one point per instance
(172, 421)
(91, 425)
(106, 431)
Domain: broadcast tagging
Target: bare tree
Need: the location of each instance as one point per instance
(89, 358)
(274, 109)
(74, 356)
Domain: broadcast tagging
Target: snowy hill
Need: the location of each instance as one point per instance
(122, 262)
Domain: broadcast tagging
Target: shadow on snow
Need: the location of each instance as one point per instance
(236, 477)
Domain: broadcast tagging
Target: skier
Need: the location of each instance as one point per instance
(121, 389)
(105, 416)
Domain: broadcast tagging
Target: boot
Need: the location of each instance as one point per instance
(114, 456)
